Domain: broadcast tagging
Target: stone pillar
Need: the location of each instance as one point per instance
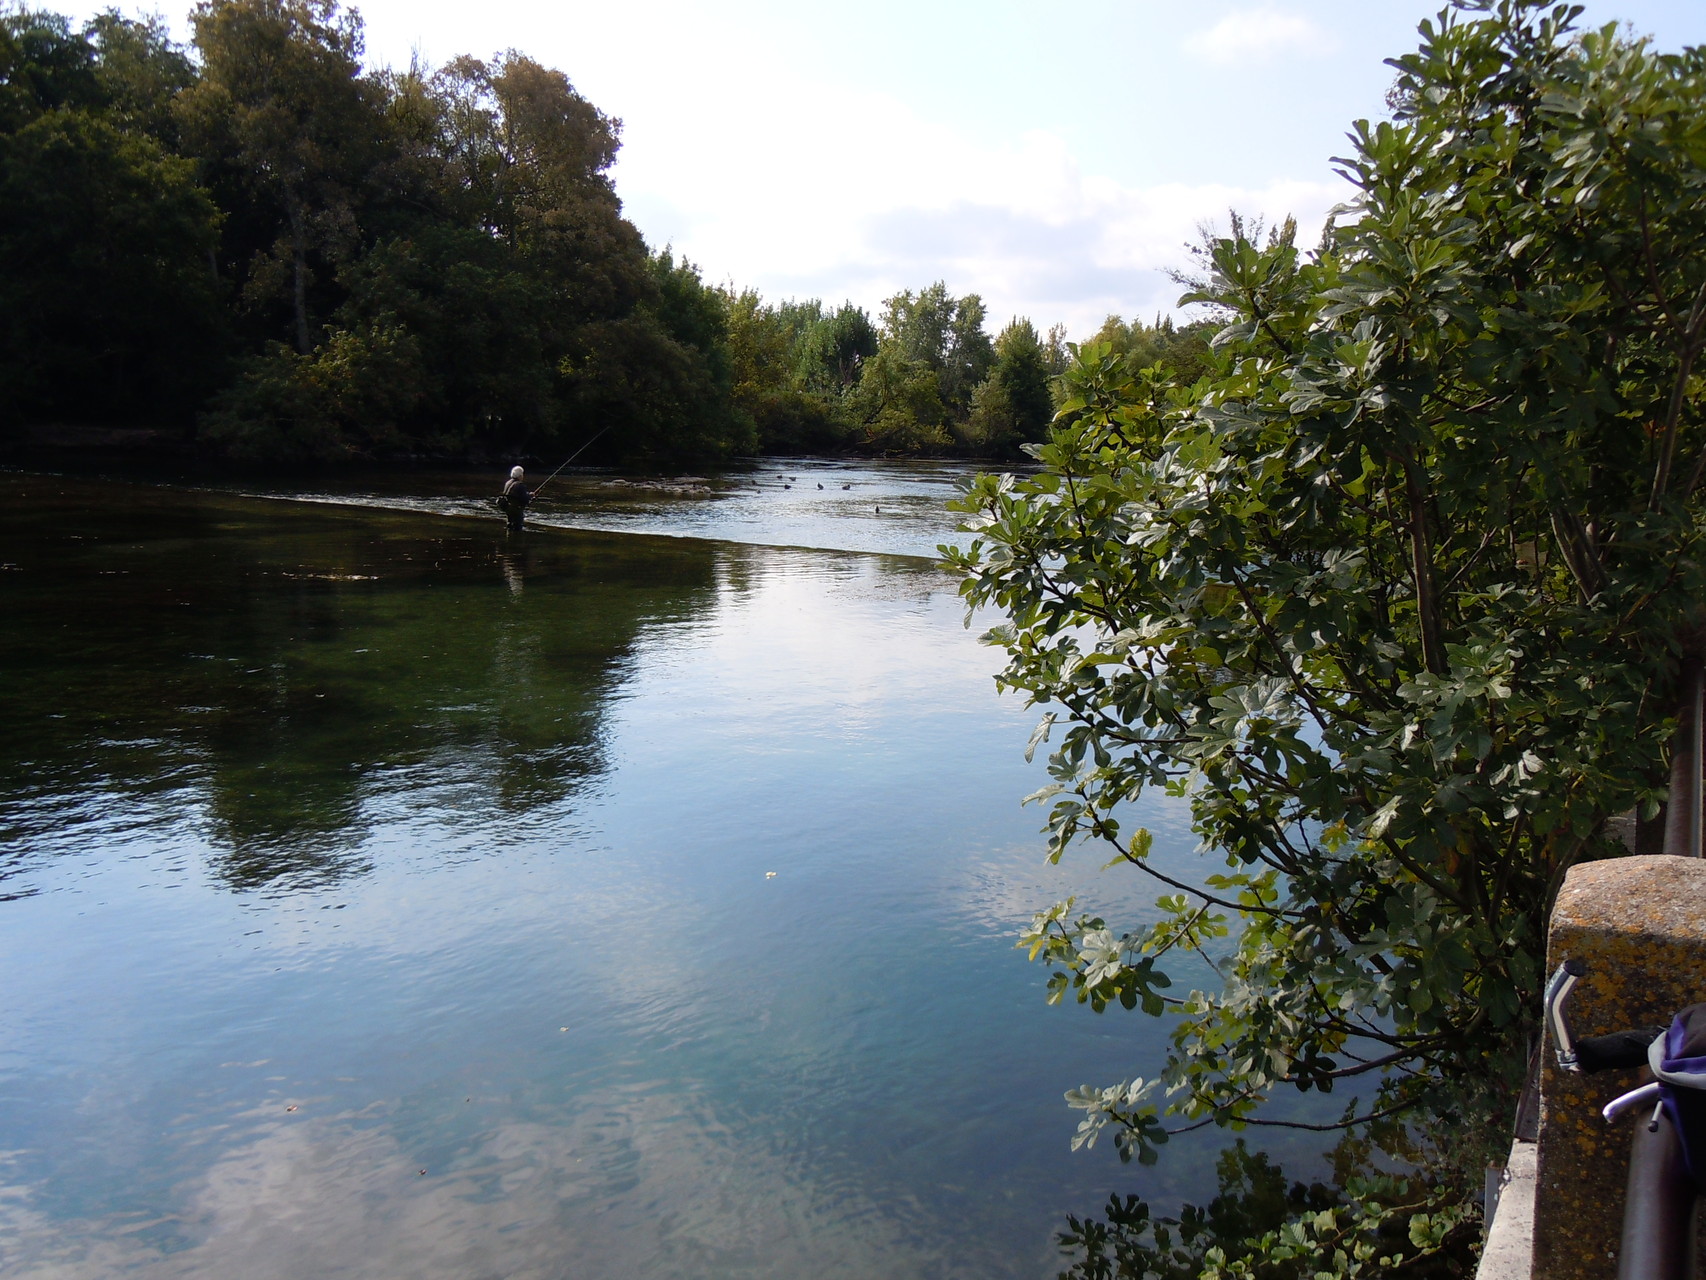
(1639, 925)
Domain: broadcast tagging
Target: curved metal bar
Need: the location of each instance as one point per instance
(1645, 1096)
(1558, 989)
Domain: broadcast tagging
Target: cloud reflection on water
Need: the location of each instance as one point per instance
(633, 1183)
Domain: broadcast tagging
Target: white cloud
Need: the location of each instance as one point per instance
(1259, 35)
(897, 200)
(797, 177)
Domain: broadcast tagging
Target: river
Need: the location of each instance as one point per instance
(382, 895)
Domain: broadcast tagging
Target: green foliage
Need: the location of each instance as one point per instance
(943, 333)
(930, 381)
(140, 72)
(1183, 349)
(1259, 1226)
(441, 251)
(482, 322)
(528, 152)
(792, 367)
(43, 66)
(332, 262)
(1395, 595)
(1013, 405)
(935, 383)
(899, 404)
(287, 132)
(663, 373)
(831, 351)
(107, 287)
(283, 408)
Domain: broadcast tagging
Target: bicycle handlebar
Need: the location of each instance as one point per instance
(1558, 989)
(1620, 1050)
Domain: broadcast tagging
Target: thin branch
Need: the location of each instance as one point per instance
(1198, 893)
(1268, 633)
(1421, 567)
(1373, 1064)
(1395, 1109)
(1372, 1116)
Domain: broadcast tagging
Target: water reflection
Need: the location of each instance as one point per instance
(514, 567)
(297, 671)
(630, 1188)
(364, 843)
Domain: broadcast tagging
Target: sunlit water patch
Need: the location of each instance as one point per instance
(382, 895)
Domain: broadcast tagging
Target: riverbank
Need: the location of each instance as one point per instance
(156, 452)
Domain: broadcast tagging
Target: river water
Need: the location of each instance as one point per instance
(382, 895)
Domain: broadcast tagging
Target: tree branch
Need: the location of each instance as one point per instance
(1421, 567)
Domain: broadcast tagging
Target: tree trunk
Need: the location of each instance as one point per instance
(299, 279)
(1422, 568)
(1581, 554)
(1684, 816)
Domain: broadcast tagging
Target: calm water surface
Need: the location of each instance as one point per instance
(380, 896)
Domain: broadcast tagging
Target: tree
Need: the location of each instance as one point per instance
(140, 71)
(792, 366)
(524, 143)
(108, 307)
(831, 351)
(661, 374)
(1397, 596)
(936, 329)
(285, 123)
(1184, 349)
(43, 66)
(1013, 405)
(476, 283)
(899, 406)
(1057, 353)
(931, 353)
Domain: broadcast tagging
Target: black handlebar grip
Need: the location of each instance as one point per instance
(1619, 1050)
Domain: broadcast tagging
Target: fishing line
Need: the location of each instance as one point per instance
(577, 453)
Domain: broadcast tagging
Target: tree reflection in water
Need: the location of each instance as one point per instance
(290, 670)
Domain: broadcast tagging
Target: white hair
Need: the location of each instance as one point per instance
(515, 473)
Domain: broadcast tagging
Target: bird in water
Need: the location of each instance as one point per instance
(820, 486)
(846, 486)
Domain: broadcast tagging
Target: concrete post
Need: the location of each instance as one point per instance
(1639, 925)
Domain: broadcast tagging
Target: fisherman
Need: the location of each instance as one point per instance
(515, 497)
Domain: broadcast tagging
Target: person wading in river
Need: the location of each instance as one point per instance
(513, 502)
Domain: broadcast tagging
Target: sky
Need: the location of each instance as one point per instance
(1053, 158)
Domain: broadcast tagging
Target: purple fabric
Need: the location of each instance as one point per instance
(1685, 1053)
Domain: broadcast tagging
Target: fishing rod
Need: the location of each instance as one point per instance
(577, 453)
